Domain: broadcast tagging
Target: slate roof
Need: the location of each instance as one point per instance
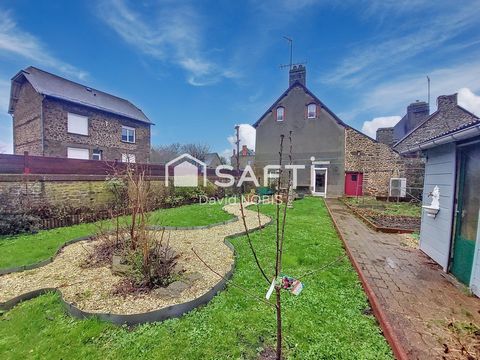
(296, 83)
(210, 157)
(57, 87)
(446, 120)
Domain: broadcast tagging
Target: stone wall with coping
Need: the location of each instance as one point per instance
(20, 192)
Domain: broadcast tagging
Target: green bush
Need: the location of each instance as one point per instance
(12, 224)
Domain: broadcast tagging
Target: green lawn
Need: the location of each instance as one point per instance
(325, 321)
(386, 207)
(31, 248)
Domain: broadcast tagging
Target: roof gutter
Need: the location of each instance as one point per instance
(454, 137)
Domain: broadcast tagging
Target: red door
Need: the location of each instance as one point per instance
(353, 184)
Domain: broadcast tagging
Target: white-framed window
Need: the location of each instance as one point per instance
(77, 124)
(128, 158)
(311, 111)
(96, 154)
(280, 113)
(78, 153)
(128, 134)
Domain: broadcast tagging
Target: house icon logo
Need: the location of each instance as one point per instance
(185, 172)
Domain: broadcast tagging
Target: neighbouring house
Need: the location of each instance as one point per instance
(417, 112)
(53, 116)
(246, 157)
(338, 158)
(212, 160)
(450, 233)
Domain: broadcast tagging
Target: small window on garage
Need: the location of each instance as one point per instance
(280, 113)
(78, 153)
(77, 124)
(311, 111)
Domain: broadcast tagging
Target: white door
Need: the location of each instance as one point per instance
(319, 181)
(78, 153)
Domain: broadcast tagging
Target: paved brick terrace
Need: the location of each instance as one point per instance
(423, 305)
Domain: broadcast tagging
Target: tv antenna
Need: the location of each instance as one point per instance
(428, 89)
(290, 64)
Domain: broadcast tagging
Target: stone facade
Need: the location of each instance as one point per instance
(378, 163)
(105, 132)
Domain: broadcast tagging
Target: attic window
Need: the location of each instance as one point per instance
(311, 111)
(88, 89)
(280, 113)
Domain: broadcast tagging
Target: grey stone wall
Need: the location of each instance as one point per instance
(104, 129)
(27, 125)
(385, 136)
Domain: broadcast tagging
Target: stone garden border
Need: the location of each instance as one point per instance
(172, 311)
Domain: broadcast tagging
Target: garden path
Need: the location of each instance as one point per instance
(429, 314)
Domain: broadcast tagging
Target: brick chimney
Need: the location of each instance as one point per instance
(244, 150)
(446, 101)
(298, 73)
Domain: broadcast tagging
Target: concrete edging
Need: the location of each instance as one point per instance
(387, 328)
(172, 311)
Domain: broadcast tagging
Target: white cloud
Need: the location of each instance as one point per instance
(246, 135)
(174, 36)
(14, 41)
(394, 96)
(4, 96)
(370, 127)
(468, 100)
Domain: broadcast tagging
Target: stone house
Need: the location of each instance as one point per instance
(56, 117)
(247, 157)
(212, 160)
(339, 160)
(450, 233)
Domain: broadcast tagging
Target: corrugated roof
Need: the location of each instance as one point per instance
(57, 87)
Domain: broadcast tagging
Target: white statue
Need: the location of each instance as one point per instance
(435, 194)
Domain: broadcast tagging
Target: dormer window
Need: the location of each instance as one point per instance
(311, 111)
(280, 113)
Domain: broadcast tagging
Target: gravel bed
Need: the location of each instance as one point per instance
(90, 289)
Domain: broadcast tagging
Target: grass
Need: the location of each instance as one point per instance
(28, 249)
(326, 321)
(386, 207)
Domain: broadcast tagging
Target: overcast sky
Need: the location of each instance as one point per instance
(197, 68)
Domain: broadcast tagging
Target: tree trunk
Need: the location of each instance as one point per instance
(279, 323)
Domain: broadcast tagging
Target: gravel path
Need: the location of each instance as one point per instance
(90, 288)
